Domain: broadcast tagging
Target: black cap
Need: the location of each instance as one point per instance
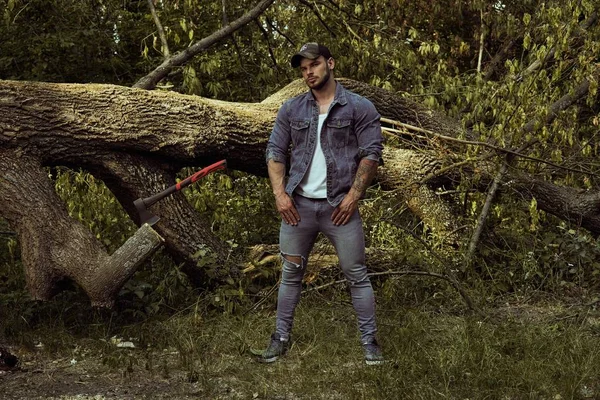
(311, 51)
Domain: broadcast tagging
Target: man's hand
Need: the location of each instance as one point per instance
(286, 209)
(367, 169)
(342, 213)
(283, 201)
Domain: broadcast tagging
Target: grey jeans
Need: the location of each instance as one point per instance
(349, 243)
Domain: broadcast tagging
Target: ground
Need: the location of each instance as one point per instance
(89, 379)
(514, 350)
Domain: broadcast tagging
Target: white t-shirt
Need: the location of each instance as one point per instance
(314, 183)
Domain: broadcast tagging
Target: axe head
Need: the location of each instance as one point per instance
(146, 217)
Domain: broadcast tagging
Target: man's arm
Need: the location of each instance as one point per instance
(276, 155)
(367, 129)
(367, 169)
(284, 203)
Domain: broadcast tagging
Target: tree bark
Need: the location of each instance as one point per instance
(575, 206)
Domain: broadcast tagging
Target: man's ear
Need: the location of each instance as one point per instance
(331, 62)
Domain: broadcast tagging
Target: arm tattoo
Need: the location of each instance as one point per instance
(367, 170)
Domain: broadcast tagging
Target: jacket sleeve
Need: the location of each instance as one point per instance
(279, 141)
(367, 127)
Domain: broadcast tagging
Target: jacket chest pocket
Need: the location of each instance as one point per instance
(299, 132)
(339, 132)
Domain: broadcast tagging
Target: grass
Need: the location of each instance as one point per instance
(430, 356)
(518, 352)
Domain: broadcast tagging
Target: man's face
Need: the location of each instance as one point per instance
(316, 73)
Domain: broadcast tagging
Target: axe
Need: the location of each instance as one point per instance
(142, 205)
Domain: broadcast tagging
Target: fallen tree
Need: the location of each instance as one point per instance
(137, 140)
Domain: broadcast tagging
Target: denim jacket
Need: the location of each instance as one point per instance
(351, 131)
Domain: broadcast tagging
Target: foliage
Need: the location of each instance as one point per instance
(89, 201)
(70, 41)
(239, 205)
(549, 256)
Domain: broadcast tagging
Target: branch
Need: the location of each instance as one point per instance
(265, 35)
(54, 245)
(279, 31)
(560, 105)
(481, 41)
(533, 125)
(451, 275)
(576, 206)
(224, 8)
(161, 31)
(498, 59)
(319, 17)
(149, 81)
(120, 266)
(475, 143)
(444, 170)
(586, 24)
(484, 214)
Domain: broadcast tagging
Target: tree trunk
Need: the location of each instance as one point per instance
(55, 246)
(575, 206)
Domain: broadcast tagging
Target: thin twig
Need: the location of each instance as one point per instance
(265, 35)
(319, 17)
(161, 31)
(274, 27)
(388, 273)
(264, 299)
(481, 41)
(326, 285)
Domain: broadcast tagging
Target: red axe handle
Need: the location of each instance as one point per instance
(201, 174)
(148, 201)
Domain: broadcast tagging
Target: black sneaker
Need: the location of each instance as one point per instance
(276, 349)
(373, 354)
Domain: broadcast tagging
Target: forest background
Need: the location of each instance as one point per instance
(524, 323)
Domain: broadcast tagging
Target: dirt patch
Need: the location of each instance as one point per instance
(65, 379)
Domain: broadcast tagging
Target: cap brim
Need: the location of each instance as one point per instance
(297, 58)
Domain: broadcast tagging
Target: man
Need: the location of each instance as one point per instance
(336, 145)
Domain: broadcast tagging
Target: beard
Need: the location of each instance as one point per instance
(319, 84)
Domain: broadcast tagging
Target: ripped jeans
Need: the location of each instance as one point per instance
(296, 242)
